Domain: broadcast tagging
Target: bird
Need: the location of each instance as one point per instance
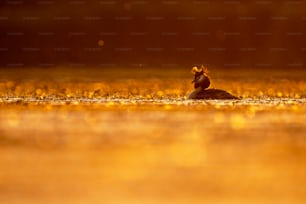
(202, 82)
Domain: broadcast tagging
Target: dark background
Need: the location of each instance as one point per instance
(140, 33)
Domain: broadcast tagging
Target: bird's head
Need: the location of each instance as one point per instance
(203, 70)
(195, 70)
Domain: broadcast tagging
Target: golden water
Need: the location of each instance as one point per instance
(132, 137)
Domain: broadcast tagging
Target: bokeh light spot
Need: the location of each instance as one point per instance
(101, 43)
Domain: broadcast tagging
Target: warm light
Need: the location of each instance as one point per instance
(101, 43)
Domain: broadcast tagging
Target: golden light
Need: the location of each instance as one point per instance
(101, 43)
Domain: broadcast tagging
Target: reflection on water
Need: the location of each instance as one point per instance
(163, 149)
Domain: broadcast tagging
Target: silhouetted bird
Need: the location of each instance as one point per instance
(201, 83)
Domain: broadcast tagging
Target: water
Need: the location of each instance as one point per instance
(136, 139)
